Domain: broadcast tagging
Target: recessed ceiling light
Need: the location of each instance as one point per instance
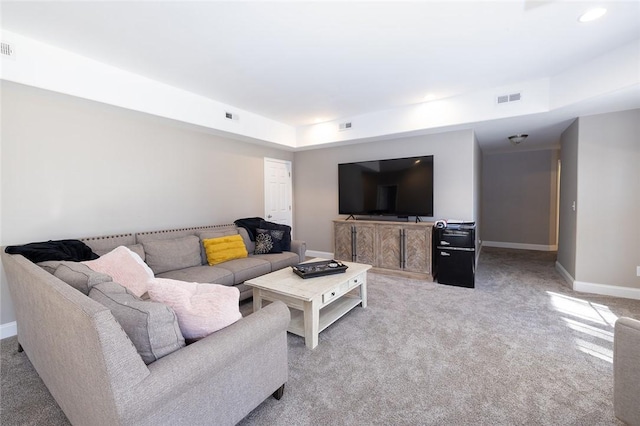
(592, 14)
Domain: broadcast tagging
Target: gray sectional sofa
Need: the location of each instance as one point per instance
(178, 254)
(92, 364)
(626, 370)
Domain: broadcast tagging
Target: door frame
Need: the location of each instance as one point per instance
(289, 188)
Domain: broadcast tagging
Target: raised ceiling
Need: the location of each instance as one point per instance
(299, 63)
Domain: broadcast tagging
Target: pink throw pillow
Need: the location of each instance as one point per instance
(125, 267)
(201, 308)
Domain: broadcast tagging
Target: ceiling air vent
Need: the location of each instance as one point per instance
(7, 50)
(230, 115)
(344, 126)
(513, 97)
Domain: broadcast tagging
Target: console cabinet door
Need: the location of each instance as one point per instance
(365, 243)
(418, 250)
(389, 249)
(342, 241)
(402, 247)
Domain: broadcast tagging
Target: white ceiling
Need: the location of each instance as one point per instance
(299, 62)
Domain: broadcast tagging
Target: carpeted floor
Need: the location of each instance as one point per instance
(520, 348)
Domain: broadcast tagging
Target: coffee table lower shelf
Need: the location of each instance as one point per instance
(314, 303)
(328, 315)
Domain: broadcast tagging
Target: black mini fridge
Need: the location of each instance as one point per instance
(455, 254)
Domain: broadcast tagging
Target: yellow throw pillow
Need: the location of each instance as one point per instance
(226, 248)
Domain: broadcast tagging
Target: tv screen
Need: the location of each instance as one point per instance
(395, 187)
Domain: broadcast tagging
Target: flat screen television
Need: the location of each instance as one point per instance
(395, 187)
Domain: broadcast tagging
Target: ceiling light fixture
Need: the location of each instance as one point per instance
(592, 14)
(517, 139)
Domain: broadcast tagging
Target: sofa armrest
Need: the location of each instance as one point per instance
(222, 347)
(234, 363)
(626, 370)
(299, 247)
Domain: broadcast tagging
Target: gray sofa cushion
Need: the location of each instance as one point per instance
(152, 327)
(250, 245)
(102, 245)
(201, 274)
(136, 248)
(279, 260)
(76, 274)
(172, 254)
(246, 268)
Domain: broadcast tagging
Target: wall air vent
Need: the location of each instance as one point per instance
(7, 50)
(513, 97)
(344, 126)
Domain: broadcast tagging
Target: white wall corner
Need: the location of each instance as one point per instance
(565, 274)
(48, 67)
(9, 329)
(441, 114)
(607, 73)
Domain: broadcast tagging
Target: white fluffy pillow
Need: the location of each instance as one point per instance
(125, 267)
(201, 308)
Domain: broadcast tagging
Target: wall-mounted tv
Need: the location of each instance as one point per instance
(395, 187)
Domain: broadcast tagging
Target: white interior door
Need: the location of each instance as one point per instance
(277, 191)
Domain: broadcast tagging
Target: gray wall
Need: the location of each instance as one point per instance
(456, 158)
(73, 168)
(519, 191)
(568, 195)
(608, 221)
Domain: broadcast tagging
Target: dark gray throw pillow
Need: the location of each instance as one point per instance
(152, 327)
(172, 254)
(268, 241)
(76, 274)
(286, 237)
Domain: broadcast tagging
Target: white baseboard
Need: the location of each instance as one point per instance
(565, 274)
(9, 329)
(520, 246)
(322, 254)
(607, 290)
(595, 288)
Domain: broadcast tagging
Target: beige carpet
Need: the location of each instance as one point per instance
(520, 348)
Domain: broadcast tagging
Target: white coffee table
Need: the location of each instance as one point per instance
(315, 303)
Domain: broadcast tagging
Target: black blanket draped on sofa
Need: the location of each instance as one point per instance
(72, 250)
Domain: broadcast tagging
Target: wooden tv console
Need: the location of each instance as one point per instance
(395, 248)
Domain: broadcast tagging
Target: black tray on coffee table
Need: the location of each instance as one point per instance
(319, 269)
